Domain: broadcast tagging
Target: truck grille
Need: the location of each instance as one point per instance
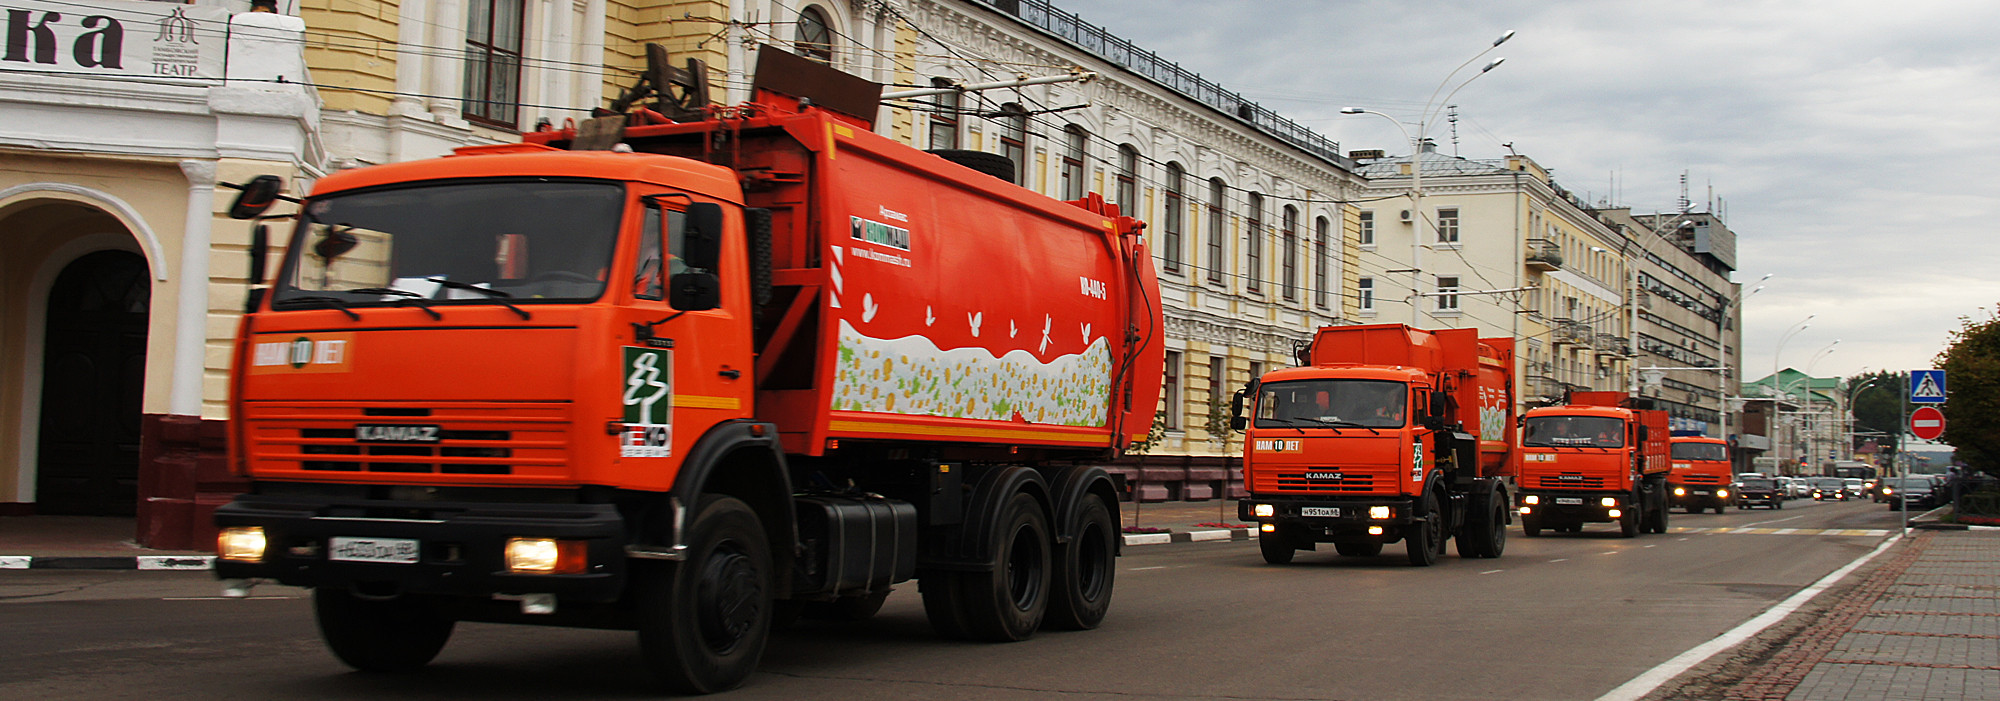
(1702, 479)
(1557, 482)
(507, 440)
(1351, 481)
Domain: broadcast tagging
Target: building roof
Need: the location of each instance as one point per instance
(1793, 382)
(1435, 165)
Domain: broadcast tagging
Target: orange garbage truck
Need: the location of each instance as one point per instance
(1597, 459)
(1384, 433)
(1701, 477)
(743, 364)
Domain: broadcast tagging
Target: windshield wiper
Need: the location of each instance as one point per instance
(496, 295)
(1292, 422)
(334, 302)
(405, 297)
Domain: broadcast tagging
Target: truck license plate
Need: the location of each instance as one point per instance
(1322, 511)
(392, 550)
(1700, 493)
(1569, 500)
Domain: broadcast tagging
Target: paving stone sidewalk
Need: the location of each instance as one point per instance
(1922, 623)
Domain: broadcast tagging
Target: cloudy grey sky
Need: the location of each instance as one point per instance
(1853, 143)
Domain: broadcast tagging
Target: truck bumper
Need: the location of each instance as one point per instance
(459, 547)
(1682, 496)
(1572, 507)
(1331, 520)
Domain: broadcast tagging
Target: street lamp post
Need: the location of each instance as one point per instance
(1424, 118)
(1813, 433)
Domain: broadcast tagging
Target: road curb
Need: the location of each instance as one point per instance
(193, 563)
(1217, 535)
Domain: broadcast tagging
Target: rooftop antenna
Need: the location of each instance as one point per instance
(1684, 202)
(1451, 115)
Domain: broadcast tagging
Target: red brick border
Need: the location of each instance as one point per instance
(1776, 679)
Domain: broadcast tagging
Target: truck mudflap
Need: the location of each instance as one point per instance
(1331, 518)
(396, 547)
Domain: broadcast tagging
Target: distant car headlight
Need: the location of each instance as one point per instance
(1888, 490)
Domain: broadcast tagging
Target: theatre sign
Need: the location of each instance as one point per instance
(110, 38)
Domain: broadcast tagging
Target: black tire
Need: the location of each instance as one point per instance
(1085, 569)
(1368, 549)
(1666, 519)
(1719, 509)
(992, 164)
(1628, 522)
(944, 598)
(1779, 504)
(1531, 526)
(393, 635)
(1426, 536)
(1485, 536)
(703, 622)
(1276, 546)
(1008, 603)
(846, 608)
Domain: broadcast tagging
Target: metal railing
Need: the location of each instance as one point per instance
(1094, 39)
(1544, 253)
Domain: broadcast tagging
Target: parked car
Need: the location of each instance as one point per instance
(1825, 488)
(1911, 492)
(1790, 487)
(1759, 491)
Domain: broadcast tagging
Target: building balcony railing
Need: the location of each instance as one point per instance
(1544, 255)
(1572, 333)
(1612, 344)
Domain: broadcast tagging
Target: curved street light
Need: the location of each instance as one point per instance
(1424, 118)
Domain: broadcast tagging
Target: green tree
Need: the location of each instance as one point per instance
(1878, 408)
(1972, 413)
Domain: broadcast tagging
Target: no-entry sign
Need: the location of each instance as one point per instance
(1927, 422)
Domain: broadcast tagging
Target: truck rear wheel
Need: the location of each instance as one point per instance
(1426, 534)
(703, 621)
(1485, 536)
(1008, 603)
(1277, 546)
(1628, 522)
(1084, 569)
(392, 635)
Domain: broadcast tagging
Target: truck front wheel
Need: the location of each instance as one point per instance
(1426, 533)
(390, 635)
(703, 621)
(1085, 569)
(1485, 535)
(1277, 546)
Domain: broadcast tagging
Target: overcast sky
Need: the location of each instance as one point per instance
(1852, 143)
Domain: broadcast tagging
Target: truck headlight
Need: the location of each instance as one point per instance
(1616, 513)
(1531, 500)
(1722, 493)
(1268, 528)
(1608, 501)
(1680, 491)
(1525, 510)
(1888, 490)
(1378, 512)
(1374, 530)
(1264, 510)
(546, 556)
(240, 543)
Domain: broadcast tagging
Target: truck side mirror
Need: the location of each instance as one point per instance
(1440, 403)
(1237, 420)
(694, 292)
(256, 196)
(703, 236)
(260, 248)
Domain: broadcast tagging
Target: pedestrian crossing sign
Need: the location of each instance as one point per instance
(1927, 386)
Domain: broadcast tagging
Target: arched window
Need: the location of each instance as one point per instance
(1170, 220)
(1074, 140)
(1321, 228)
(944, 116)
(1253, 249)
(1217, 227)
(1288, 255)
(1126, 195)
(1014, 140)
(814, 38)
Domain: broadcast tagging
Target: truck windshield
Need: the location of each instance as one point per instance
(1699, 451)
(1574, 432)
(1337, 403)
(517, 242)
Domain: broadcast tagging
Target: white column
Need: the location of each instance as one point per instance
(410, 59)
(590, 82)
(191, 312)
(738, 90)
(447, 65)
(558, 77)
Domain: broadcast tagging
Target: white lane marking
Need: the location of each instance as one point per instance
(1609, 552)
(1683, 540)
(1645, 683)
(1786, 531)
(1560, 559)
(1782, 520)
(1142, 569)
(225, 598)
(1649, 546)
(1492, 571)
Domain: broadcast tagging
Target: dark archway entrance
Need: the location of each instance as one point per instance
(93, 378)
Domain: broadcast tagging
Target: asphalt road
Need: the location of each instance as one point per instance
(1558, 617)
